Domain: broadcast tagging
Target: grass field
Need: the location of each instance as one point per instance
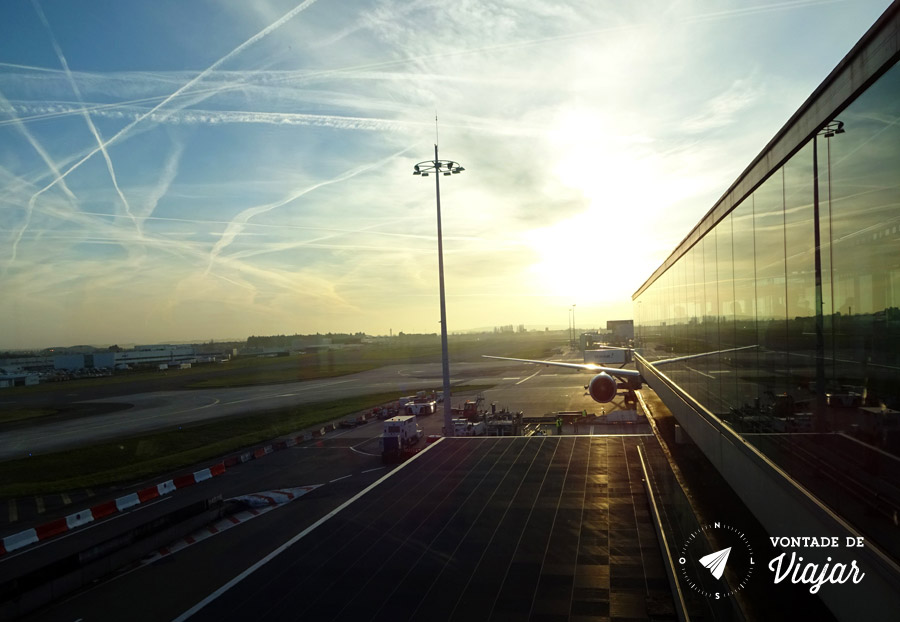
(133, 459)
(136, 458)
(21, 414)
(331, 363)
(251, 370)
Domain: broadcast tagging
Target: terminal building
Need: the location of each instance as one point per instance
(785, 299)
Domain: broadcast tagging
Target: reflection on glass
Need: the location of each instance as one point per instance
(798, 236)
(771, 313)
(744, 362)
(751, 282)
(725, 289)
(711, 321)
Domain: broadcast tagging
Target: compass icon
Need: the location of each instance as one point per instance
(703, 568)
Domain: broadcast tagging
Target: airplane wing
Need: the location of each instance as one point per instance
(687, 357)
(612, 371)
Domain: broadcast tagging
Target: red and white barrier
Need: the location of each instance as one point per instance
(79, 518)
(18, 540)
(102, 510)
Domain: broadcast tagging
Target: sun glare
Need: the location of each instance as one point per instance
(578, 258)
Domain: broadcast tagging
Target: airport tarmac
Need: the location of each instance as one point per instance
(483, 527)
(141, 413)
(147, 412)
(536, 390)
(346, 461)
(475, 528)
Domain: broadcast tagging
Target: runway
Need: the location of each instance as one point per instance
(151, 411)
(535, 389)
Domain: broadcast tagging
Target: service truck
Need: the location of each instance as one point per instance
(400, 433)
(466, 427)
(421, 407)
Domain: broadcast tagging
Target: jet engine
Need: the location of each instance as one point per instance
(603, 388)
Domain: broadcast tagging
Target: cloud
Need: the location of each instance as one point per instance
(726, 108)
(84, 114)
(103, 144)
(268, 184)
(236, 226)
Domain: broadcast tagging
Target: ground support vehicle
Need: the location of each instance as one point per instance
(399, 435)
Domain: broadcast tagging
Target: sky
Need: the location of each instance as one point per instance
(190, 171)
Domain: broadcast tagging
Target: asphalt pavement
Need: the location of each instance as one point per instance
(344, 463)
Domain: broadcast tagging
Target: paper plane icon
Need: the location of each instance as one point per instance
(716, 562)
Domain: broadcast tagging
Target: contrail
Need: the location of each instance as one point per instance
(582, 34)
(36, 145)
(231, 80)
(237, 224)
(374, 124)
(260, 35)
(393, 234)
(87, 117)
(170, 170)
(759, 8)
(361, 70)
(315, 242)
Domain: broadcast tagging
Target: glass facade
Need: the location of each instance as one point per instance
(812, 390)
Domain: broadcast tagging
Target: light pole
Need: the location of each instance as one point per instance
(438, 168)
(574, 330)
(829, 130)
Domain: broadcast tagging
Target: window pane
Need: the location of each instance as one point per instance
(768, 222)
(800, 274)
(744, 361)
(860, 167)
(727, 305)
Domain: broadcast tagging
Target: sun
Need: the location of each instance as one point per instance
(579, 258)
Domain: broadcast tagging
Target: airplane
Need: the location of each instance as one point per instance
(605, 386)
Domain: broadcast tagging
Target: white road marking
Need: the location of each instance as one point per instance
(375, 469)
(302, 388)
(210, 405)
(529, 377)
(340, 478)
(360, 451)
(701, 373)
(187, 614)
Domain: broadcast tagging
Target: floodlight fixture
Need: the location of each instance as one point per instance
(831, 128)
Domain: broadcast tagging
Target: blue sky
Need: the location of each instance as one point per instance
(176, 170)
